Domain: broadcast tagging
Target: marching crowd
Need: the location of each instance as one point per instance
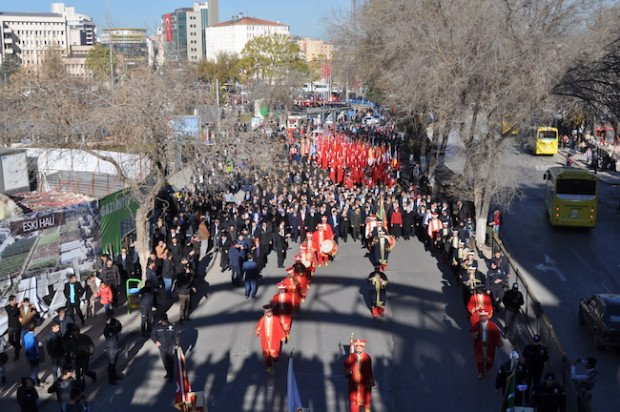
(338, 186)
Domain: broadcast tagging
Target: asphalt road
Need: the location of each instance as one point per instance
(564, 265)
(422, 352)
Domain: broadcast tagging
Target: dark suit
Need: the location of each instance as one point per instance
(73, 305)
(125, 266)
(311, 221)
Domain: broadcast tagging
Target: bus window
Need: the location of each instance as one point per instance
(547, 135)
(576, 188)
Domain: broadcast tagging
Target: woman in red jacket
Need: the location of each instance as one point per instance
(396, 222)
(107, 296)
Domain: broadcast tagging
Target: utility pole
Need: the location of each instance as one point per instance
(110, 43)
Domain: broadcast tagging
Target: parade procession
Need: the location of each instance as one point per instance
(317, 206)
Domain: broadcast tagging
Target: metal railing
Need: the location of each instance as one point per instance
(534, 321)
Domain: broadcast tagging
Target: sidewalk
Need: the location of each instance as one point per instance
(131, 342)
(579, 160)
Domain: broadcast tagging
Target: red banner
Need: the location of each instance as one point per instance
(183, 386)
(168, 25)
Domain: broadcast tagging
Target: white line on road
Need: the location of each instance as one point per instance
(581, 259)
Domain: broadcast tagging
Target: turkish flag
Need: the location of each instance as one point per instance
(183, 386)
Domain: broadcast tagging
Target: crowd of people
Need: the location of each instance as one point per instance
(337, 186)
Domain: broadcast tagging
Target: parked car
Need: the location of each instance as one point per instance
(601, 314)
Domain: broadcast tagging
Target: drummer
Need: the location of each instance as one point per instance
(323, 233)
(382, 248)
(308, 255)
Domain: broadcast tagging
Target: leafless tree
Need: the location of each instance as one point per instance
(468, 64)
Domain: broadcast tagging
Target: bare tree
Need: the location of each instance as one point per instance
(469, 64)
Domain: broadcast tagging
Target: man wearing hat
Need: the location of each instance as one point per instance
(271, 336)
(282, 305)
(470, 280)
(377, 282)
(382, 248)
(486, 340)
(479, 302)
(495, 281)
(504, 375)
(166, 338)
(535, 355)
(308, 255)
(323, 233)
(358, 370)
(549, 396)
(433, 229)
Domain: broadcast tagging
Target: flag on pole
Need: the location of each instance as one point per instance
(508, 403)
(183, 386)
(293, 398)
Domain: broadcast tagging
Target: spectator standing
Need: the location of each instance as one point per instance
(166, 338)
(549, 396)
(168, 274)
(73, 292)
(55, 349)
(513, 300)
(111, 333)
(92, 293)
(185, 286)
(106, 295)
(584, 381)
(27, 396)
(251, 273)
(64, 387)
(28, 316)
(535, 355)
(64, 319)
(4, 358)
(146, 296)
(81, 348)
(31, 351)
(14, 325)
(112, 277)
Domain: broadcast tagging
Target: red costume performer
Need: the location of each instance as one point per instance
(282, 305)
(271, 336)
(358, 370)
(486, 340)
(308, 255)
(323, 232)
(301, 275)
(479, 302)
(294, 289)
(434, 226)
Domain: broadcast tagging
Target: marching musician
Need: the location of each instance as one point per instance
(358, 370)
(270, 331)
(377, 282)
(323, 233)
(382, 248)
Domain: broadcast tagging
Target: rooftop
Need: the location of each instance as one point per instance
(27, 14)
(248, 21)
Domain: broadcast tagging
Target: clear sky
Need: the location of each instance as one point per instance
(307, 18)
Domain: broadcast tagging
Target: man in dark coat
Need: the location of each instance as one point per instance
(80, 349)
(251, 274)
(73, 292)
(14, 325)
(166, 338)
(280, 244)
(535, 354)
(124, 261)
(549, 396)
(111, 333)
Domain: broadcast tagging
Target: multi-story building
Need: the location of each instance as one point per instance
(81, 30)
(129, 43)
(184, 31)
(231, 36)
(315, 50)
(75, 61)
(28, 36)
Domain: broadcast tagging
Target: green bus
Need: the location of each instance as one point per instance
(571, 197)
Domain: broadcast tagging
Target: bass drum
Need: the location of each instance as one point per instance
(327, 246)
(392, 241)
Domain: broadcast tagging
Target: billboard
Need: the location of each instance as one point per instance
(168, 26)
(117, 212)
(184, 129)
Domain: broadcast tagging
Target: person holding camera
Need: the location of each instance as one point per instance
(584, 381)
(185, 286)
